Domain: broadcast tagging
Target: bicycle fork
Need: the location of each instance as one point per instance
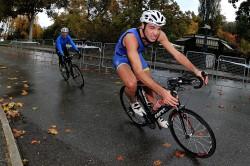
(181, 117)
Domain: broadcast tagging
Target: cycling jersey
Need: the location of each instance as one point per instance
(61, 44)
(120, 56)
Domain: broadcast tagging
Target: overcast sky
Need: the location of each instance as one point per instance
(185, 5)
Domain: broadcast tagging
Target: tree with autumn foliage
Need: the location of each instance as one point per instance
(20, 28)
(28, 8)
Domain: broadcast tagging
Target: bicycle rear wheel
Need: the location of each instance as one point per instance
(138, 120)
(64, 71)
(199, 139)
(77, 76)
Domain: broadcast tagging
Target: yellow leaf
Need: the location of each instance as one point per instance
(24, 93)
(13, 78)
(34, 108)
(167, 145)
(1, 99)
(19, 104)
(157, 163)
(67, 130)
(25, 85)
(118, 82)
(53, 131)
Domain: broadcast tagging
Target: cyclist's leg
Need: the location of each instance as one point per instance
(123, 69)
(128, 78)
(149, 93)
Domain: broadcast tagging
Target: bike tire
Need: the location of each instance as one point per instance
(77, 76)
(193, 133)
(64, 71)
(136, 119)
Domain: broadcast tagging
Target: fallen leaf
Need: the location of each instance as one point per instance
(3, 67)
(25, 81)
(118, 82)
(157, 163)
(18, 133)
(12, 78)
(10, 98)
(1, 99)
(13, 114)
(53, 130)
(25, 162)
(166, 145)
(19, 104)
(25, 85)
(179, 154)
(34, 141)
(67, 130)
(34, 108)
(120, 158)
(24, 93)
(8, 87)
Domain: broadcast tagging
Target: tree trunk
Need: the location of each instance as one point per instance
(31, 22)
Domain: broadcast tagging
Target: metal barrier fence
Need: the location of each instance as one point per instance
(233, 69)
(162, 59)
(202, 60)
(92, 54)
(107, 54)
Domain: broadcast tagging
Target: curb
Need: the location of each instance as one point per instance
(15, 158)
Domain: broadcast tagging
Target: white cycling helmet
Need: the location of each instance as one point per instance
(65, 29)
(154, 17)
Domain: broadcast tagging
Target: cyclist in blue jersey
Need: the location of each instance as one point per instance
(61, 42)
(132, 67)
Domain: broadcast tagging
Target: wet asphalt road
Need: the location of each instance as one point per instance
(94, 130)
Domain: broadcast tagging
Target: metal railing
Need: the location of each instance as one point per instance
(233, 69)
(107, 54)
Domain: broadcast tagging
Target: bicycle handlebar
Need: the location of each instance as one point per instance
(194, 81)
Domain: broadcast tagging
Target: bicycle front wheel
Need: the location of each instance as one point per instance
(192, 133)
(77, 76)
(64, 72)
(138, 120)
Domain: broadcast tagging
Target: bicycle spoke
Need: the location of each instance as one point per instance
(198, 140)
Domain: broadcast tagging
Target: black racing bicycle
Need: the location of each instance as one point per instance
(68, 68)
(189, 129)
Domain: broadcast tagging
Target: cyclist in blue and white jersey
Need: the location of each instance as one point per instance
(132, 67)
(61, 42)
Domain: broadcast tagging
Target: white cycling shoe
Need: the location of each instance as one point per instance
(136, 107)
(162, 123)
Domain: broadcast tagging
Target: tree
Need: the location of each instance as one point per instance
(243, 20)
(29, 8)
(209, 11)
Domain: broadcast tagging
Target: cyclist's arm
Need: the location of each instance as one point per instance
(177, 55)
(72, 44)
(131, 43)
(59, 46)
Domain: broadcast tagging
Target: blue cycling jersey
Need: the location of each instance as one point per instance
(61, 44)
(120, 57)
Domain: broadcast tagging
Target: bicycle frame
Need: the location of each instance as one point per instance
(162, 110)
